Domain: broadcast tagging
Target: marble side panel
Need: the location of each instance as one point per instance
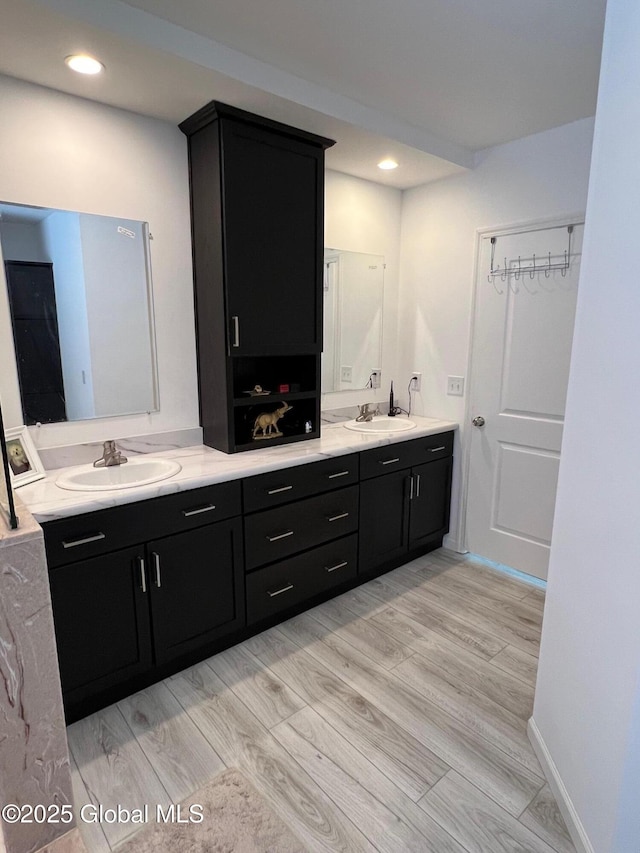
(34, 758)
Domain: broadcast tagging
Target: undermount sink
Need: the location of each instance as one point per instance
(136, 472)
(380, 423)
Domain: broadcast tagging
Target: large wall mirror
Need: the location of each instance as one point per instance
(353, 296)
(79, 300)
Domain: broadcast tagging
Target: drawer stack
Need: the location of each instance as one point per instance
(300, 534)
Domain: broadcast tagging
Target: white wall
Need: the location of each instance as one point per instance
(361, 216)
(65, 152)
(586, 706)
(536, 177)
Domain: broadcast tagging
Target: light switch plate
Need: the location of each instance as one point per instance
(455, 386)
(346, 372)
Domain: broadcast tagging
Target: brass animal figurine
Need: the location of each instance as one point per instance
(267, 422)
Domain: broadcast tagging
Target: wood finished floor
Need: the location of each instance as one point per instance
(392, 718)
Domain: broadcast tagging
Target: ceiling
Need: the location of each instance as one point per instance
(428, 82)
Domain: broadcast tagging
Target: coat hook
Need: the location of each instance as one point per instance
(519, 272)
(532, 271)
(504, 271)
(547, 271)
(495, 286)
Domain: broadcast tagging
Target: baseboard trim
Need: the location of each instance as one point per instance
(452, 544)
(570, 815)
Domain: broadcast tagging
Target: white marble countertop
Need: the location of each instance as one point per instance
(28, 528)
(202, 466)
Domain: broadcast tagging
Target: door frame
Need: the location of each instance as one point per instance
(525, 225)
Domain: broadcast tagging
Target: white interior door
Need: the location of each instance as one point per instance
(523, 329)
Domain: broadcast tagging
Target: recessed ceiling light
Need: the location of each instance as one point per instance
(84, 64)
(387, 164)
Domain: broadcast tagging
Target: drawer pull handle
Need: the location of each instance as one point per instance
(198, 510)
(417, 485)
(236, 331)
(411, 484)
(389, 461)
(156, 566)
(143, 579)
(436, 449)
(279, 591)
(339, 474)
(337, 566)
(337, 517)
(280, 536)
(281, 489)
(73, 543)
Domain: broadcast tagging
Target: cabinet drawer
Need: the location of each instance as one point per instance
(393, 457)
(431, 447)
(291, 484)
(293, 581)
(278, 533)
(90, 534)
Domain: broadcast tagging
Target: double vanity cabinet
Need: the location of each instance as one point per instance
(144, 589)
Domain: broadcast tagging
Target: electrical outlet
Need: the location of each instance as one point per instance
(346, 373)
(416, 381)
(376, 377)
(455, 386)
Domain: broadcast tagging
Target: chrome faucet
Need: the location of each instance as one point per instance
(110, 456)
(366, 414)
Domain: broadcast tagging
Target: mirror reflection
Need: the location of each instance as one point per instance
(79, 299)
(353, 292)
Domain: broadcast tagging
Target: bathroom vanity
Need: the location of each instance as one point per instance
(164, 575)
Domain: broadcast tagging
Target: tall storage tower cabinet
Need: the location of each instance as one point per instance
(257, 209)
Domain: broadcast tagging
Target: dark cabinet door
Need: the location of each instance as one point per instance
(197, 588)
(101, 615)
(272, 197)
(429, 508)
(384, 520)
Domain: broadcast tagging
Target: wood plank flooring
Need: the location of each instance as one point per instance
(392, 718)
